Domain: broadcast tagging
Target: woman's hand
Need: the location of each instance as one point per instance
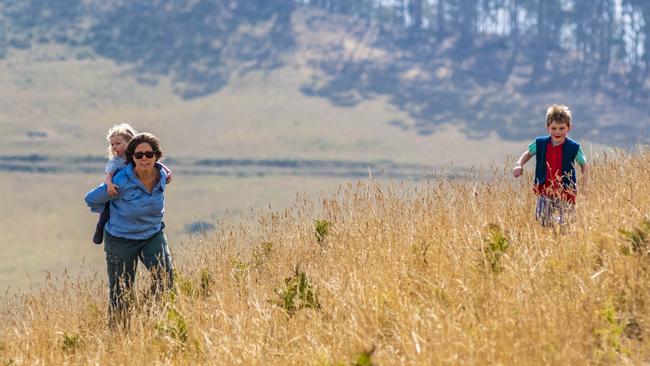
(517, 170)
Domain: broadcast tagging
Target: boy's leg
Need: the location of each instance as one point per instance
(567, 212)
(121, 263)
(156, 257)
(544, 211)
(103, 219)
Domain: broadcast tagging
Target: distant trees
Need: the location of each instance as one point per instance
(636, 33)
(415, 13)
(587, 43)
(195, 42)
(602, 41)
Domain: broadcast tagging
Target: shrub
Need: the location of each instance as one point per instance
(495, 245)
(261, 253)
(240, 270)
(193, 286)
(297, 294)
(365, 358)
(638, 238)
(70, 342)
(322, 228)
(198, 228)
(205, 282)
(173, 326)
(609, 335)
(183, 284)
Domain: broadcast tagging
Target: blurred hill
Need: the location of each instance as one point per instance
(484, 66)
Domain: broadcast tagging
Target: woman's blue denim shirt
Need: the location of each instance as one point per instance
(135, 213)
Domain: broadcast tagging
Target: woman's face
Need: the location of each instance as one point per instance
(144, 162)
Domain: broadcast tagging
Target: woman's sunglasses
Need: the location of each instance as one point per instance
(149, 154)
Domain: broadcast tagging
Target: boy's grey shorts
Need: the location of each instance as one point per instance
(551, 211)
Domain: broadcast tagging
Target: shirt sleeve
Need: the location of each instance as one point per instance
(96, 199)
(532, 148)
(581, 159)
(111, 167)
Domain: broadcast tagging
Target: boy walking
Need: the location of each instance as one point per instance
(555, 173)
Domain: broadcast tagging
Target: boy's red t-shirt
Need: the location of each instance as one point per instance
(553, 186)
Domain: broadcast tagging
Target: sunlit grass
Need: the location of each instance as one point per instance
(440, 272)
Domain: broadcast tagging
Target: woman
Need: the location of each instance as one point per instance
(135, 227)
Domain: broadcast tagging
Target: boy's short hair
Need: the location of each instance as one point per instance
(558, 113)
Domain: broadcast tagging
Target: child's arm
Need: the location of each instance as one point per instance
(110, 187)
(168, 171)
(523, 159)
(584, 169)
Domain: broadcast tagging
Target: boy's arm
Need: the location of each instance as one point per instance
(523, 159)
(584, 169)
(581, 160)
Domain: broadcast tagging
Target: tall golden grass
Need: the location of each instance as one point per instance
(436, 272)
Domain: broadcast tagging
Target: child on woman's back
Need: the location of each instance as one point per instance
(118, 137)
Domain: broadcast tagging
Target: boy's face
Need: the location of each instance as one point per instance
(558, 131)
(118, 145)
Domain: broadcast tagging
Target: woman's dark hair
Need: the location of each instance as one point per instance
(141, 138)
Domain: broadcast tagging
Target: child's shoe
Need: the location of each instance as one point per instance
(99, 234)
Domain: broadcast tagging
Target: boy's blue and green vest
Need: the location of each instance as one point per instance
(567, 169)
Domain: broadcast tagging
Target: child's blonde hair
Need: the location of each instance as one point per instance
(558, 113)
(124, 130)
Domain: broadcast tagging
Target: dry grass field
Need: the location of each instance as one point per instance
(320, 266)
(441, 272)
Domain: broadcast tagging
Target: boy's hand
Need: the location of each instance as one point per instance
(517, 170)
(112, 189)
